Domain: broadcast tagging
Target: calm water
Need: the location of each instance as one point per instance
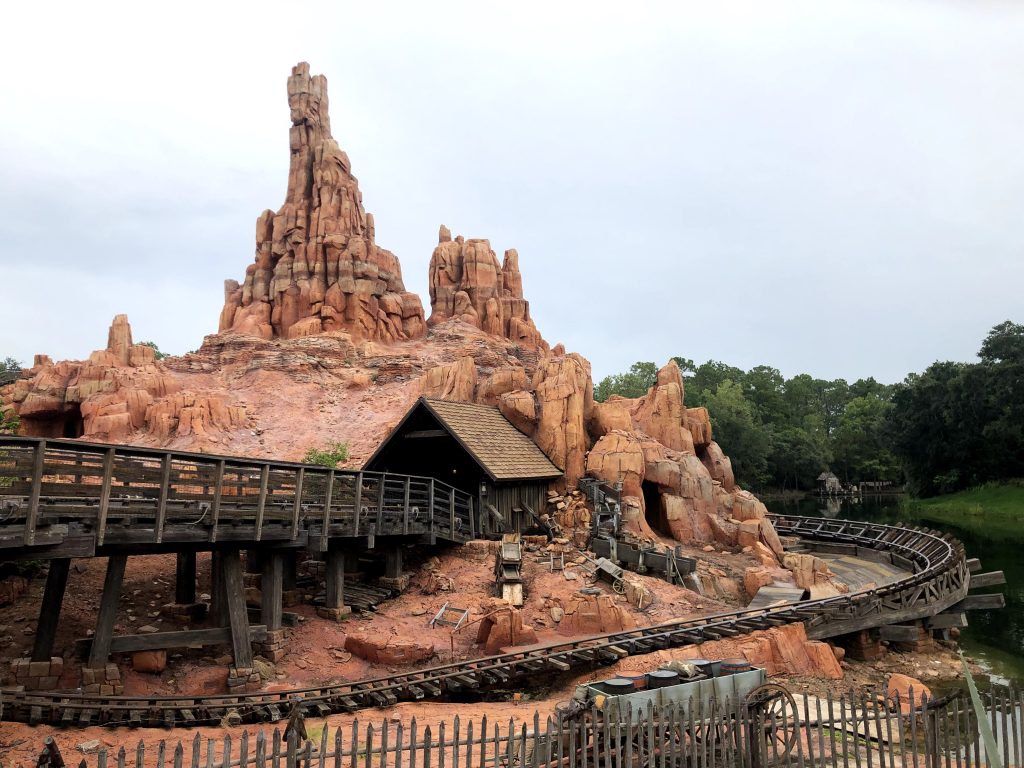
(995, 638)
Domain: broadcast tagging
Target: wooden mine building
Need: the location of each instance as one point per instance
(476, 449)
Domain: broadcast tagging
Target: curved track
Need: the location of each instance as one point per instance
(940, 579)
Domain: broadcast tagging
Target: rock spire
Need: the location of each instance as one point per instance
(468, 283)
(318, 267)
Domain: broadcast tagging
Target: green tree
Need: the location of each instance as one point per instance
(159, 355)
(738, 432)
(861, 444)
(635, 382)
(9, 421)
(9, 365)
(797, 456)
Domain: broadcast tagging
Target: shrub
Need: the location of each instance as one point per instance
(327, 457)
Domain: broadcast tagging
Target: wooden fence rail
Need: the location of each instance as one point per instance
(854, 730)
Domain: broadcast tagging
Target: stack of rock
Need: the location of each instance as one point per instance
(39, 675)
(105, 680)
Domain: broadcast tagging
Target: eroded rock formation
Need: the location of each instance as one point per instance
(318, 267)
(467, 283)
(118, 392)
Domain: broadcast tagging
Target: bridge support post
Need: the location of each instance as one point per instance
(241, 676)
(218, 599)
(99, 652)
(185, 578)
(334, 583)
(272, 605)
(49, 611)
(393, 577)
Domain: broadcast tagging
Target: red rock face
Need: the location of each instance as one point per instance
(467, 283)
(317, 266)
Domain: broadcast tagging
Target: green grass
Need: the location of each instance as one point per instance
(992, 511)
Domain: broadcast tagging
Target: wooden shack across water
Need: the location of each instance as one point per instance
(476, 449)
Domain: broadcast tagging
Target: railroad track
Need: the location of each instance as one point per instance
(940, 578)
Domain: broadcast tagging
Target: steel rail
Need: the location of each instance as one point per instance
(940, 579)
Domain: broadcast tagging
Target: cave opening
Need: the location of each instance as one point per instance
(74, 424)
(653, 511)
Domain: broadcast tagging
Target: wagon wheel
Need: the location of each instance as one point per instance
(713, 733)
(775, 721)
(619, 586)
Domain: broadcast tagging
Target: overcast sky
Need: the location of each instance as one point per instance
(827, 187)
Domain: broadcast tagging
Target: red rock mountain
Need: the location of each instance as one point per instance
(321, 342)
(318, 267)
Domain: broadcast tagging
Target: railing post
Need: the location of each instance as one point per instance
(165, 487)
(405, 506)
(472, 519)
(261, 503)
(37, 485)
(325, 533)
(380, 502)
(218, 490)
(430, 505)
(451, 512)
(300, 477)
(108, 481)
(358, 503)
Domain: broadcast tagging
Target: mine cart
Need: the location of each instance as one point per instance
(690, 714)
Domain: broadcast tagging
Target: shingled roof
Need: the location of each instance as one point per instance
(504, 453)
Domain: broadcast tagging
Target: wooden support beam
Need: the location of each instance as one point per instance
(980, 603)
(165, 488)
(393, 562)
(947, 620)
(218, 490)
(300, 478)
(990, 579)
(185, 578)
(973, 564)
(405, 506)
(99, 653)
(271, 605)
(420, 433)
(261, 503)
(238, 616)
(187, 638)
(33, 502)
(334, 578)
(325, 532)
(49, 611)
(357, 509)
(108, 481)
(218, 600)
(900, 633)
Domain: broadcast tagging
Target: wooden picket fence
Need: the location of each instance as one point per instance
(849, 731)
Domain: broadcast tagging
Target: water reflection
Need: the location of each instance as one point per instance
(996, 637)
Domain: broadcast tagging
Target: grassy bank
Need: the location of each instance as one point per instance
(993, 511)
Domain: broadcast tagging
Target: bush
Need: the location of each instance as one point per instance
(159, 355)
(328, 457)
(9, 421)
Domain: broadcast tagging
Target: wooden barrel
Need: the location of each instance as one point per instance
(733, 666)
(662, 678)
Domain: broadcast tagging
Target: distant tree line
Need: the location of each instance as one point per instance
(953, 426)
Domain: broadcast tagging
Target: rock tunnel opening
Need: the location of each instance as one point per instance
(653, 511)
(67, 423)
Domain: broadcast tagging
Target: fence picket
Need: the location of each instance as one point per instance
(179, 757)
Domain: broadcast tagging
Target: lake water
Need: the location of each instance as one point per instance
(994, 638)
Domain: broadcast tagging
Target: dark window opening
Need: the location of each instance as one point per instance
(652, 507)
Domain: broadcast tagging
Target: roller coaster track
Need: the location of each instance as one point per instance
(938, 579)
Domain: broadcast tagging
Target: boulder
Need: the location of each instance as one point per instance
(454, 381)
(502, 627)
(564, 392)
(153, 662)
(386, 649)
(901, 685)
(586, 614)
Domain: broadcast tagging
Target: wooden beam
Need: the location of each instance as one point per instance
(49, 611)
(261, 503)
(947, 620)
(218, 489)
(325, 533)
(33, 502)
(973, 564)
(990, 579)
(165, 489)
(186, 638)
(271, 606)
(238, 616)
(185, 578)
(99, 653)
(334, 578)
(426, 433)
(980, 603)
(300, 478)
(218, 600)
(900, 633)
(108, 481)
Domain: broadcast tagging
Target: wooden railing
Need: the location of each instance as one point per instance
(852, 729)
(132, 495)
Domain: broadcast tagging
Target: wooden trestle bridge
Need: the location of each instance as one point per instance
(63, 499)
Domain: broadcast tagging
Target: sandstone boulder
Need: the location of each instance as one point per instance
(900, 686)
(565, 398)
(502, 627)
(586, 614)
(386, 649)
(454, 381)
